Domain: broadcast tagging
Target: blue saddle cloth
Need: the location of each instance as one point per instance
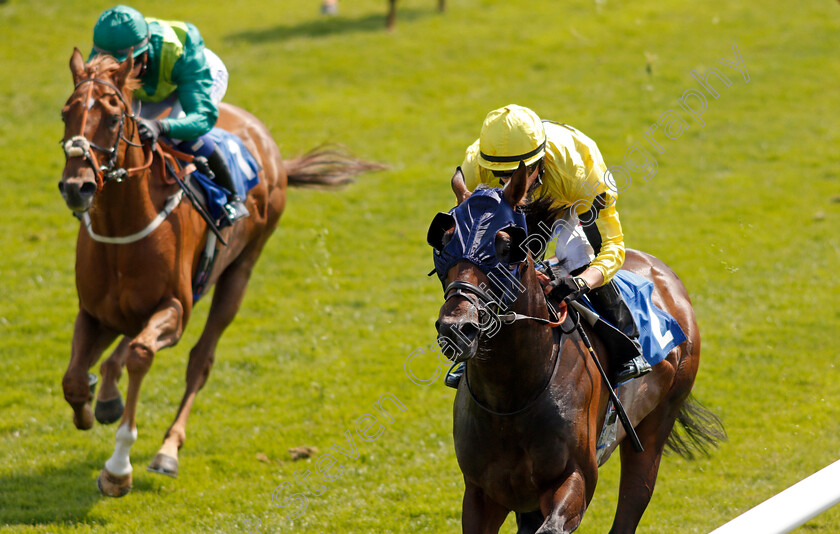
(243, 169)
(659, 333)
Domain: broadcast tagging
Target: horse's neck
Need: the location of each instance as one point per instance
(128, 206)
(514, 363)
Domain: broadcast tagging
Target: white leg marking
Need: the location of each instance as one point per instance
(119, 464)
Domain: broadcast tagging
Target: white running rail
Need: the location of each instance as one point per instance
(792, 507)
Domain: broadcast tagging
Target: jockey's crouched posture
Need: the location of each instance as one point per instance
(572, 173)
(179, 77)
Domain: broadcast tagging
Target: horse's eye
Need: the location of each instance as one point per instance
(441, 231)
(113, 121)
(509, 245)
(447, 237)
(502, 245)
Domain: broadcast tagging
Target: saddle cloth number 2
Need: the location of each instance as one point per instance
(656, 327)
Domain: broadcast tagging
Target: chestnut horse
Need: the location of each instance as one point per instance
(136, 260)
(531, 404)
(391, 21)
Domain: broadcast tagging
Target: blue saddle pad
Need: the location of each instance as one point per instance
(659, 333)
(243, 169)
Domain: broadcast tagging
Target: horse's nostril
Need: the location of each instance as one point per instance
(61, 187)
(469, 330)
(437, 326)
(88, 188)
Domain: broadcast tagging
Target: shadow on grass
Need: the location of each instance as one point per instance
(55, 496)
(327, 26)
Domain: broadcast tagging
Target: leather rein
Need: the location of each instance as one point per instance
(80, 146)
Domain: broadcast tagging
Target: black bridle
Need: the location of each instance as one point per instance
(485, 303)
(80, 146)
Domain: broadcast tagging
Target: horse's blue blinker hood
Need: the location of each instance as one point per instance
(477, 221)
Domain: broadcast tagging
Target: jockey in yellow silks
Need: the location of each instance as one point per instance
(574, 175)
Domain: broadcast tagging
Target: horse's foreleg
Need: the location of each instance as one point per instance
(441, 5)
(564, 508)
(109, 404)
(90, 339)
(480, 514)
(230, 289)
(163, 329)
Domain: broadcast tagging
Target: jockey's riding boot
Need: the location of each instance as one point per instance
(610, 304)
(453, 376)
(235, 207)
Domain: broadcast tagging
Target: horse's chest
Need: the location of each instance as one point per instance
(123, 295)
(514, 461)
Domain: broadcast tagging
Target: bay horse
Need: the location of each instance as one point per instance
(391, 21)
(136, 260)
(531, 403)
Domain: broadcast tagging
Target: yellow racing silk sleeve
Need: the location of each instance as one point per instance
(575, 177)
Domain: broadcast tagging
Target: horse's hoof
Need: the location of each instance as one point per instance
(165, 465)
(113, 485)
(109, 411)
(83, 417)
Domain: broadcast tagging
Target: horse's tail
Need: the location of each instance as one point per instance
(701, 430)
(327, 167)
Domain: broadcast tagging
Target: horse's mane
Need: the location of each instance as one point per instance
(104, 66)
(540, 215)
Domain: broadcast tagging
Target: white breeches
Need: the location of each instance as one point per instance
(573, 250)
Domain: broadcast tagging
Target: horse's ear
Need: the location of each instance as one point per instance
(77, 65)
(122, 74)
(518, 185)
(459, 186)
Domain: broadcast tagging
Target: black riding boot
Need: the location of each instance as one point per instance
(610, 304)
(235, 208)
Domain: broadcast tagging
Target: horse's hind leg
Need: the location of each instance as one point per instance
(109, 403)
(639, 470)
(230, 289)
(392, 15)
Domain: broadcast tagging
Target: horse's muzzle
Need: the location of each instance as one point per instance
(457, 337)
(77, 193)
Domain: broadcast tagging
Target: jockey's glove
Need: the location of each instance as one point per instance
(151, 129)
(568, 288)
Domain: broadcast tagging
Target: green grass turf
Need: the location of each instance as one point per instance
(745, 209)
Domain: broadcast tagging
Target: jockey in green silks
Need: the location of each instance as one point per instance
(574, 176)
(179, 77)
